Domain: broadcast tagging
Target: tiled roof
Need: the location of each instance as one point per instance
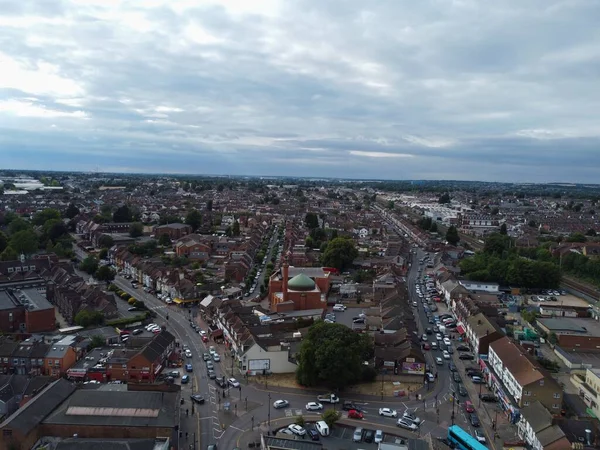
(514, 359)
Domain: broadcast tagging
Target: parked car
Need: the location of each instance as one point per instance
(466, 356)
(369, 436)
(488, 398)
(297, 429)
(378, 436)
(477, 380)
(463, 348)
(357, 435)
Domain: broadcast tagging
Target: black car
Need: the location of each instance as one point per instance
(488, 398)
(463, 348)
(474, 420)
(221, 382)
(368, 436)
(348, 406)
(428, 331)
(197, 398)
(452, 367)
(474, 373)
(466, 356)
(462, 391)
(456, 377)
(314, 434)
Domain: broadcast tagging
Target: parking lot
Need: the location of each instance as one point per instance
(341, 438)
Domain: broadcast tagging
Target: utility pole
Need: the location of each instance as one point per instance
(452, 416)
(269, 417)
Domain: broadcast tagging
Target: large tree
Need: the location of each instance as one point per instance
(3, 241)
(104, 273)
(24, 241)
(106, 241)
(89, 265)
(136, 229)
(47, 214)
(452, 235)
(333, 355)
(122, 214)
(71, 211)
(340, 253)
(311, 220)
(193, 219)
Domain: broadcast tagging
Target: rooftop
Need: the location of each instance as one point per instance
(568, 325)
(514, 359)
(30, 299)
(282, 443)
(111, 444)
(117, 409)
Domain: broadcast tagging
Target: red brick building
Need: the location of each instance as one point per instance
(25, 311)
(173, 230)
(298, 288)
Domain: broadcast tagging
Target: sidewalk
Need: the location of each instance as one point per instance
(490, 415)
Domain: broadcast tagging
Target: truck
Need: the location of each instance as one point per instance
(328, 398)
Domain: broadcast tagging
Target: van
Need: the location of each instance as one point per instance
(322, 428)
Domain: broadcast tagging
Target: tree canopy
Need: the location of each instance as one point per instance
(193, 219)
(106, 241)
(86, 318)
(136, 229)
(105, 273)
(332, 354)
(71, 211)
(89, 265)
(452, 235)
(45, 215)
(122, 214)
(311, 220)
(340, 253)
(24, 241)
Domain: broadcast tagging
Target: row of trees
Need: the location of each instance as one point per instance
(499, 261)
(91, 266)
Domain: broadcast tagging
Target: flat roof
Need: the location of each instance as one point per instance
(29, 298)
(570, 325)
(272, 442)
(117, 409)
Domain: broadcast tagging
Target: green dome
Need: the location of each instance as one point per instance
(301, 283)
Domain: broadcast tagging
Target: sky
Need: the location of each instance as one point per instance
(431, 89)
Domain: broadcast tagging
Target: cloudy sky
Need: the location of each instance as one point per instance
(504, 90)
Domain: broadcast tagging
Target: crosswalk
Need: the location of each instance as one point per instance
(293, 412)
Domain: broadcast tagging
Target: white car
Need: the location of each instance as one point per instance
(297, 429)
(378, 436)
(188, 354)
(447, 342)
(445, 354)
(438, 336)
(410, 416)
(277, 404)
(404, 423)
(339, 308)
(479, 436)
(439, 361)
(314, 406)
(234, 383)
(387, 412)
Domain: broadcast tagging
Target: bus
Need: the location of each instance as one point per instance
(460, 439)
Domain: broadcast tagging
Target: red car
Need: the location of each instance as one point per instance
(426, 347)
(354, 414)
(204, 339)
(469, 407)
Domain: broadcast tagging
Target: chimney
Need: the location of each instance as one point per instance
(588, 437)
(284, 286)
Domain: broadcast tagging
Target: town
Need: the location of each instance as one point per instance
(164, 312)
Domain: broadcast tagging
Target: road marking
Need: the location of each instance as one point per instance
(288, 413)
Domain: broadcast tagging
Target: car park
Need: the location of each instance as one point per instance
(278, 404)
(388, 412)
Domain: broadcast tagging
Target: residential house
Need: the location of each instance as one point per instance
(59, 358)
(589, 389)
(12, 388)
(194, 247)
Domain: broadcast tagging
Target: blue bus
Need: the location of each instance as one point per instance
(459, 438)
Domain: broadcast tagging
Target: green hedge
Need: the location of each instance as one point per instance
(118, 322)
